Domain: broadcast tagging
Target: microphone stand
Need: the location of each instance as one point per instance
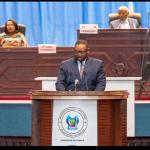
(145, 69)
(75, 88)
(75, 84)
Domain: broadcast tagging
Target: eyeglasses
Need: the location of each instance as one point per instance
(80, 52)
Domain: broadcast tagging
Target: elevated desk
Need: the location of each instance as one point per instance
(123, 51)
(120, 48)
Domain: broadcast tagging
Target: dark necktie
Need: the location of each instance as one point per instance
(81, 70)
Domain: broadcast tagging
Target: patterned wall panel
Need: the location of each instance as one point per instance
(121, 52)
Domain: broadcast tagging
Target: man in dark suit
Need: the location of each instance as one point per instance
(124, 22)
(81, 73)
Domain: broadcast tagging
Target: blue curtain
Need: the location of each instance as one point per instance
(57, 22)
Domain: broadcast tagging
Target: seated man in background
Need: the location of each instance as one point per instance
(81, 73)
(11, 37)
(124, 22)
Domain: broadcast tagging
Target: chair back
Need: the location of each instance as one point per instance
(21, 28)
(115, 16)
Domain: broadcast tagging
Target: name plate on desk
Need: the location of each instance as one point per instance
(74, 123)
(46, 48)
(89, 28)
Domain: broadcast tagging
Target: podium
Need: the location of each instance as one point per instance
(111, 123)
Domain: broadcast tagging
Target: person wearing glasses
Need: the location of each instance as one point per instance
(81, 72)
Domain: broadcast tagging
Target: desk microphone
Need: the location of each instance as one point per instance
(76, 82)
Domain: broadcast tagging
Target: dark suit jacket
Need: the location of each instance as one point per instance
(93, 76)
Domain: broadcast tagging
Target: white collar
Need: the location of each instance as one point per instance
(125, 21)
(83, 62)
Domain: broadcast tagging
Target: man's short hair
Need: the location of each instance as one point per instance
(82, 42)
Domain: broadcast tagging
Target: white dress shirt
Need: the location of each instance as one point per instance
(125, 24)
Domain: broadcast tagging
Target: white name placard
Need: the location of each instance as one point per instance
(89, 28)
(46, 48)
(74, 123)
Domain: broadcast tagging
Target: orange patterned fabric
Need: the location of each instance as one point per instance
(15, 40)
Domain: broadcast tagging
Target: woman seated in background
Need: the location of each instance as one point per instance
(11, 37)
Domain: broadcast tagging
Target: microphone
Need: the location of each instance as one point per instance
(145, 67)
(145, 48)
(148, 18)
(76, 82)
(146, 72)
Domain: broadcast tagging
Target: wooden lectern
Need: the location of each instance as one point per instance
(111, 112)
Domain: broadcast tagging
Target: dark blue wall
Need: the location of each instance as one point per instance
(15, 120)
(142, 119)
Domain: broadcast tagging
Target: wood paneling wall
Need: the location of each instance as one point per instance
(121, 51)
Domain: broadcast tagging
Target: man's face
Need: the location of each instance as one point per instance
(81, 52)
(123, 14)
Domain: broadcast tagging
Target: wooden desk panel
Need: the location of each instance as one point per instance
(120, 50)
(19, 67)
(112, 118)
